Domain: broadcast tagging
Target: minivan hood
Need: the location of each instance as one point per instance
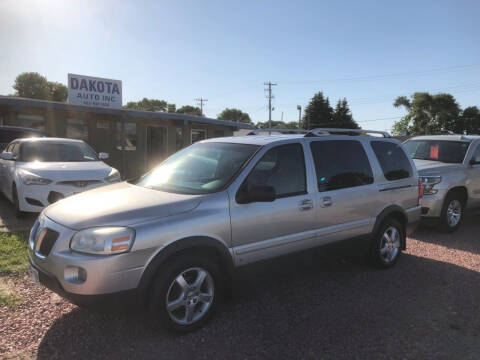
(118, 204)
(65, 171)
(428, 167)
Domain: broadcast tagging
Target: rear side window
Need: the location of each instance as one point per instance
(340, 164)
(395, 164)
(283, 168)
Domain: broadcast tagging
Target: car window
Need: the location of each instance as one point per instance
(438, 150)
(56, 152)
(395, 164)
(283, 168)
(477, 152)
(201, 168)
(15, 148)
(340, 164)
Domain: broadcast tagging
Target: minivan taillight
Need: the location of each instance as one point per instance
(420, 190)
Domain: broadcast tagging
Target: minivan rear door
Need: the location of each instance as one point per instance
(347, 200)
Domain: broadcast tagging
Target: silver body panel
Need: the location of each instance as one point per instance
(248, 232)
(453, 175)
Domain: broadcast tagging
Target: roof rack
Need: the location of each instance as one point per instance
(282, 131)
(350, 132)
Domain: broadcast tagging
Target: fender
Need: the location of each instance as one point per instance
(190, 243)
(389, 210)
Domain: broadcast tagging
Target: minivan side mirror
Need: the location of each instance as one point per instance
(103, 156)
(7, 156)
(475, 160)
(257, 193)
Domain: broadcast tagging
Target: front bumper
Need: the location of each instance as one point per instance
(432, 204)
(67, 272)
(107, 301)
(33, 198)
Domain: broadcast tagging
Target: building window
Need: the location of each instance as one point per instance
(178, 139)
(218, 133)
(29, 121)
(77, 129)
(130, 134)
(198, 135)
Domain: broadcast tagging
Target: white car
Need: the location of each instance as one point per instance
(37, 172)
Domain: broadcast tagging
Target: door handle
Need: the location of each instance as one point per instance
(326, 201)
(305, 205)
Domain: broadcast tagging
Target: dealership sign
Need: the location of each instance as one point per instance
(93, 91)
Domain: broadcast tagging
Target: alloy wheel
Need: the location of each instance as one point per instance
(390, 245)
(190, 296)
(454, 213)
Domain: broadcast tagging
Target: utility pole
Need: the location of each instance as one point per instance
(299, 108)
(270, 97)
(200, 102)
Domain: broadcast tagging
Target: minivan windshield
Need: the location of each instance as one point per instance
(198, 169)
(56, 152)
(438, 150)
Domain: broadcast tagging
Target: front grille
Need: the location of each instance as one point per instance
(79, 183)
(45, 243)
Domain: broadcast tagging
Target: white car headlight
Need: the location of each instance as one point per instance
(429, 183)
(103, 240)
(29, 178)
(114, 176)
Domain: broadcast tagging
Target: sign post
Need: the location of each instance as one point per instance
(93, 91)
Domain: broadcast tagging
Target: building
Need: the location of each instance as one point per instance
(135, 140)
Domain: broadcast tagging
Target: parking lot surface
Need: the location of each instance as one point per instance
(8, 221)
(303, 306)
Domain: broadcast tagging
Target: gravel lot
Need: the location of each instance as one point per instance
(303, 306)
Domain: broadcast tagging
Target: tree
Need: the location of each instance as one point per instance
(147, 105)
(427, 114)
(57, 91)
(342, 116)
(32, 85)
(171, 108)
(469, 121)
(278, 125)
(191, 110)
(234, 115)
(318, 113)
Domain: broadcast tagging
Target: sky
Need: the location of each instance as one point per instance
(369, 52)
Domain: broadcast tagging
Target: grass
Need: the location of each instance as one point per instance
(8, 298)
(13, 253)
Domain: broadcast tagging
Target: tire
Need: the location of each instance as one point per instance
(452, 213)
(168, 286)
(16, 204)
(387, 246)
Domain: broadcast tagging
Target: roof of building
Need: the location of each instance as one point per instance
(447, 137)
(18, 102)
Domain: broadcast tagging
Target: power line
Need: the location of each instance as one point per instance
(270, 97)
(200, 102)
(383, 76)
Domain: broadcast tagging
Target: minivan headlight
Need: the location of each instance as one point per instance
(29, 178)
(103, 240)
(113, 176)
(429, 183)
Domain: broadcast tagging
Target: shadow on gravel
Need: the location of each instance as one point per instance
(300, 307)
(8, 220)
(466, 238)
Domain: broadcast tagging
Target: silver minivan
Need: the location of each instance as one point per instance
(171, 239)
